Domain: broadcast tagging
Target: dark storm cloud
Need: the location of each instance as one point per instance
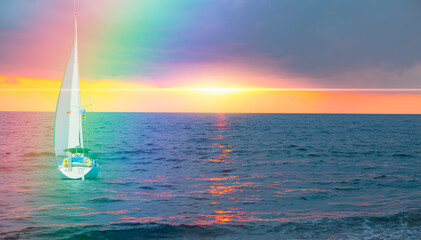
(317, 38)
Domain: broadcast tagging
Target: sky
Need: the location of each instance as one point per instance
(306, 56)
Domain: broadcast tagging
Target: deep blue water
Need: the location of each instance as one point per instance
(224, 176)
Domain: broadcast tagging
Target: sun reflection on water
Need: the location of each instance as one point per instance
(220, 149)
(222, 152)
(222, 187)
(223, 217)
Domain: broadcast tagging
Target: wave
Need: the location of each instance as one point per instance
(120, 231)
(403, 225)
(105, 200)
(37, 154)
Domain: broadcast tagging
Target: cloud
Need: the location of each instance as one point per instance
(322, 38)
(372, 42)
(8, 80)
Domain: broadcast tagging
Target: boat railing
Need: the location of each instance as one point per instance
(80, 162)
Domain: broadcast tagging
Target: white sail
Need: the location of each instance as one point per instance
(68, 126)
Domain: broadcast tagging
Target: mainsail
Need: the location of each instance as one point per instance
(68, 122)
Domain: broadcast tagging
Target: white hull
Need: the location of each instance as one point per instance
(78, 172)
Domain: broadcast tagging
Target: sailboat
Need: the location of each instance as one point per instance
(74, 161)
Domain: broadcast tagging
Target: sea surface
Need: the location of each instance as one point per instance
(216, 176)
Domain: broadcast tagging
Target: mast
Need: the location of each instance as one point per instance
(80, 114)
(75, 116)
(78, 80)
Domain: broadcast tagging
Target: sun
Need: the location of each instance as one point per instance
(219, 90)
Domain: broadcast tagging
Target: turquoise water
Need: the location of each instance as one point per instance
(224, 176)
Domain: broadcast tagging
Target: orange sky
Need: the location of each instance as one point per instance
(25, 94)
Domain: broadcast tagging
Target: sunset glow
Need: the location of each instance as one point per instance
(26, 94)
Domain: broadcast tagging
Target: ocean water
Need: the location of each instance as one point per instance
(223, 176)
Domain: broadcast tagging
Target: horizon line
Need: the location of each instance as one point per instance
(229, 89)
(325, 113)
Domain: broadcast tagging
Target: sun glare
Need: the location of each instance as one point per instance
(219, 90)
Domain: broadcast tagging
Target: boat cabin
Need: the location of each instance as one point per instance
(79, 156)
